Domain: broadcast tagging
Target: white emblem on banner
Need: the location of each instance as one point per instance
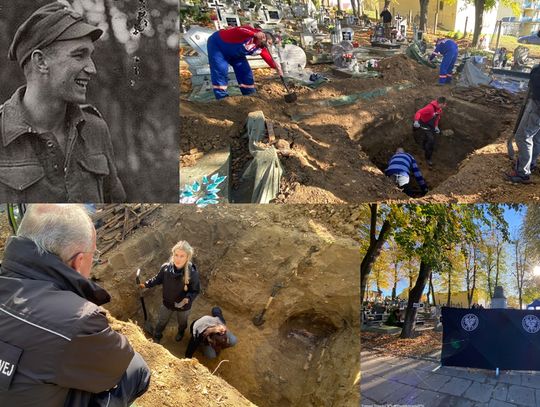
(469, 322)
(531, 324)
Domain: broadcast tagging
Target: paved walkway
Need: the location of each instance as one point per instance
(418, 382)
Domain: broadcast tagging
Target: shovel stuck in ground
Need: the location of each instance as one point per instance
(258, 319)
(290, 97)
(148, 327)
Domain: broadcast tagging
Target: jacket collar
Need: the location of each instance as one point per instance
(14, 122)
(22, 258)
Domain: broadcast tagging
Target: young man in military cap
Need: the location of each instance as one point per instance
(53, 147)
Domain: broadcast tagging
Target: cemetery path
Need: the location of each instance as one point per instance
(338, 151)
(387, 379)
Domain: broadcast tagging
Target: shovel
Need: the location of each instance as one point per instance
(258, 319)
(290, 97)
(147, 323)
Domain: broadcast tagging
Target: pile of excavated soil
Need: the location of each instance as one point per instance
(307, 351)
(331, 159)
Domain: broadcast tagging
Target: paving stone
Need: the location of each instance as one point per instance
(479, 392)
(510, 378)
(427, 365)
(380, 390)
(397, 392)
(523, 396)
(427, 398)
(456, 386)
(499, 403)
(500, 392)
(410, 377)
(531, 380)
(434, 381)
(453, 401)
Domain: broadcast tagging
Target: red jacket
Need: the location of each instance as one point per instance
(432, 110)
(245, 35)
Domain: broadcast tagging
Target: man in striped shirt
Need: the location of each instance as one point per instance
(399, 169)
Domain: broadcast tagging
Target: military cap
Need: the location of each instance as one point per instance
(52, 22)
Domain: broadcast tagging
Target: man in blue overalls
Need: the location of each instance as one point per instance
(230, 47)
(449, 50)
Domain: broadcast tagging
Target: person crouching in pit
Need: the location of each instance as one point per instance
(180, 280)
(212, 333)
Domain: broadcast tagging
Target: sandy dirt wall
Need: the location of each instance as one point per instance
(307, 351)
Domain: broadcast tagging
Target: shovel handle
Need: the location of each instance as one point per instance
(284, 83)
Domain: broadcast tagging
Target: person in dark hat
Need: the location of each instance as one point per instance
(53, 146)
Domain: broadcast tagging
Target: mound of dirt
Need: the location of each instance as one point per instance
(402, 68)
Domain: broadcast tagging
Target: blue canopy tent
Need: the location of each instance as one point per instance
(534, 304)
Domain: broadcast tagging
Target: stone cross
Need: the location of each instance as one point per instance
(218, 6)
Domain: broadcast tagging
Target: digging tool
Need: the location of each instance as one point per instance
(258, 319)
(290, 97)
(147, 323)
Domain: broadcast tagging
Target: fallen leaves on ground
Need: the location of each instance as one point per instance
(424, 344)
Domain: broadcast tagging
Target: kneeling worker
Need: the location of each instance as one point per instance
(212, 333)
(399, 168)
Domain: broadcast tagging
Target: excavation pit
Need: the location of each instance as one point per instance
(465, 128)
(306, 351)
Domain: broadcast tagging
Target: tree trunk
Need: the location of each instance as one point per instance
(374, 249)
(353, 5)
(449, 297)
(478, 20)
(414, 296)
(432, 289)
(423, 14)
(499, 250)
(394, 287)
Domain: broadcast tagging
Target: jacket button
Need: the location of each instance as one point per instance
(55, 166)
(50, 143)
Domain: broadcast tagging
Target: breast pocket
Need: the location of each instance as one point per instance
(96, 168)
(15, 180)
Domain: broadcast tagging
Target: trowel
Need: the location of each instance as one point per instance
(258, 319)
(148, 327)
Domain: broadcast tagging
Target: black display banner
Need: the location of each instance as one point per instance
(507, 339)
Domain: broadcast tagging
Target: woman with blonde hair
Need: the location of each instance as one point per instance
(180, 280)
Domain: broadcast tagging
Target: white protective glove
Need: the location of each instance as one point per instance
(437, 130)
(416, 124)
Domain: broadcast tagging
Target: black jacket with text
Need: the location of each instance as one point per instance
(54, 337)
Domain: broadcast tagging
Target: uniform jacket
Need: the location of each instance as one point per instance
(239, 41)
(172, 280)
(33, 167)
(53, 333)
(432, 111)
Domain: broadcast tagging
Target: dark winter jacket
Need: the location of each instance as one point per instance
(53, 336)
(172, 280)
(534, 83)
